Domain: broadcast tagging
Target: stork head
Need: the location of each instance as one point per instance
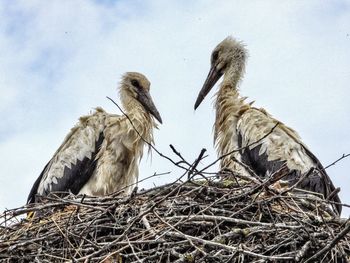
(228, 58)
(136, 87)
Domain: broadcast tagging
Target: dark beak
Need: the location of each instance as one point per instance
(145, 99)
(213, 76)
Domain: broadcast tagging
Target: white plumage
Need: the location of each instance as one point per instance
(238, 125)
(101, 153)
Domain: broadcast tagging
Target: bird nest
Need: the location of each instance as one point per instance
(203, 220)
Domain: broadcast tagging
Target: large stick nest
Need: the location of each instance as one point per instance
(203, 220)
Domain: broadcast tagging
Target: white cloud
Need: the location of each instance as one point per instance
(61, 58)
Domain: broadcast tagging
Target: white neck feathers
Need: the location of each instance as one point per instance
(229, 107)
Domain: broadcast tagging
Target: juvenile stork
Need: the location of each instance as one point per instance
(266, 145)
(101, 153)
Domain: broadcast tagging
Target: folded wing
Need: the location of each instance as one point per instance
(268, 144)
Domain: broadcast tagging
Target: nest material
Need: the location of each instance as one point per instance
(196, 221)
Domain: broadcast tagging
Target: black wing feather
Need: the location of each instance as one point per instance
(326, 183)
(317, 180)
(73, 178)
(258, 162)
(34, 190)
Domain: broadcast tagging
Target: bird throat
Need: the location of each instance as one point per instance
(229, 107)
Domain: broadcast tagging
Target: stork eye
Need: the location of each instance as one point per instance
(215, 55)
(135, 83)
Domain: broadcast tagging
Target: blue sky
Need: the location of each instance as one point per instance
(60, 59)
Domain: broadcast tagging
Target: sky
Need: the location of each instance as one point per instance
(60, 59)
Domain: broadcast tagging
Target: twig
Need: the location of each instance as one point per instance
(148, 143)
(329, 246)
(339, 159)
(234, 220)
(301, 253)
(194, 166)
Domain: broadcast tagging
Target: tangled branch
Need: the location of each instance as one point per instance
(194, 221)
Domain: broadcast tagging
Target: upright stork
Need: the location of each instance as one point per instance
(101, 153)
(265, 143)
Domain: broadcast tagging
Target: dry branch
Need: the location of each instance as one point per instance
(195, 221)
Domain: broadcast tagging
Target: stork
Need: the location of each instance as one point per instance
(265, 144)
(100, 155)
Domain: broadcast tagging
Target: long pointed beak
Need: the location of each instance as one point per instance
(213, 76)
(147, 102)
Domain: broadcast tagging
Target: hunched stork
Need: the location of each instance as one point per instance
(265, 143)
(101, 153)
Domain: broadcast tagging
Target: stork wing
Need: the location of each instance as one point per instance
(266, 147)
(75, 160)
